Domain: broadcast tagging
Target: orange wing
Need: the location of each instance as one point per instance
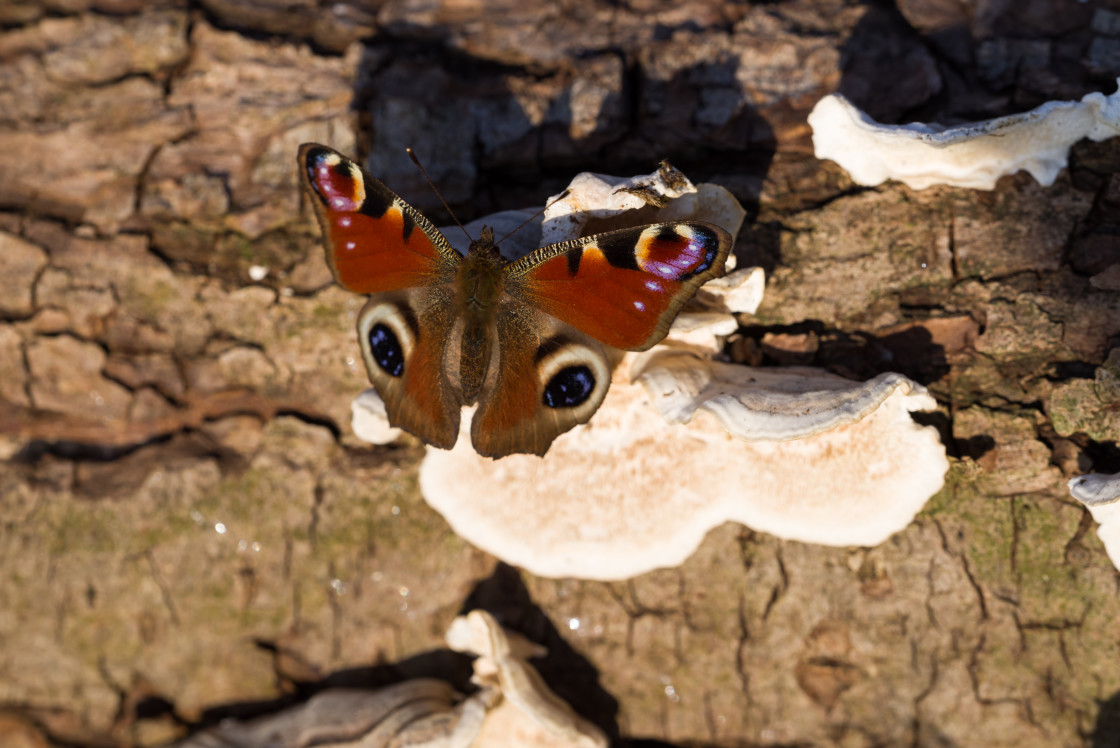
(623, 288)
(375, 241)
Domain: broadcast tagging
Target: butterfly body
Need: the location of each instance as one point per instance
(479, 301)
(532, 342)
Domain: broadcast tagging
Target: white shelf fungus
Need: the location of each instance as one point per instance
(370, 421)
(975, 155)
(629, 492)
(419, 712)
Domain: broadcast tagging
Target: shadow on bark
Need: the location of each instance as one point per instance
(496, 137)
(1106, 731)
(911, 351)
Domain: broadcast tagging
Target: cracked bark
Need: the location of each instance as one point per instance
(162, 178)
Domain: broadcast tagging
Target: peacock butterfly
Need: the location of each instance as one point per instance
(531, 341)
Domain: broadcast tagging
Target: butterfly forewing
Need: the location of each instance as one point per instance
(624, 287)
(375, 241)
(379, 245)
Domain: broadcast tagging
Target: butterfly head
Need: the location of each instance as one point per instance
(484, 247)
(479, 279)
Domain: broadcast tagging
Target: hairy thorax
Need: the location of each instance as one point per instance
(479, 287)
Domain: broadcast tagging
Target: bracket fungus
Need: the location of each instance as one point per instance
(796, 452)
(370, 421)
(830, 461)
(513, 707)
(1101, 496)
(528, 713)
(973, 155)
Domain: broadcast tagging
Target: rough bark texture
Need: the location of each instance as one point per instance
(188, 531)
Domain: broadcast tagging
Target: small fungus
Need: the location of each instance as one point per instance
(529, 713)
(1101, 496)
(418, 712)
(369, 421)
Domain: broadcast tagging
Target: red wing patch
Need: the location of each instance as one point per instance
(375, 241)
(624, 287)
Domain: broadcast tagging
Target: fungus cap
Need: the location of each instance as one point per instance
(513, 708)
(420, 712)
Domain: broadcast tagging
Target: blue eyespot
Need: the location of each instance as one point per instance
(571, 386)
(386, 350)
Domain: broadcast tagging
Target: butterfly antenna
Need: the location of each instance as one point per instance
(532, 218)
(432, 184)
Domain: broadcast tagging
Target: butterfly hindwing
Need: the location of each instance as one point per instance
(623, 287)
(545, 379)
(404, 338)
(374, 241)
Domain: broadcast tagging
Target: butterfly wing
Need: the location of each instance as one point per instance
(546, 378)
(404, 337)
(378, 244)
(374, 240)
(623, 288)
